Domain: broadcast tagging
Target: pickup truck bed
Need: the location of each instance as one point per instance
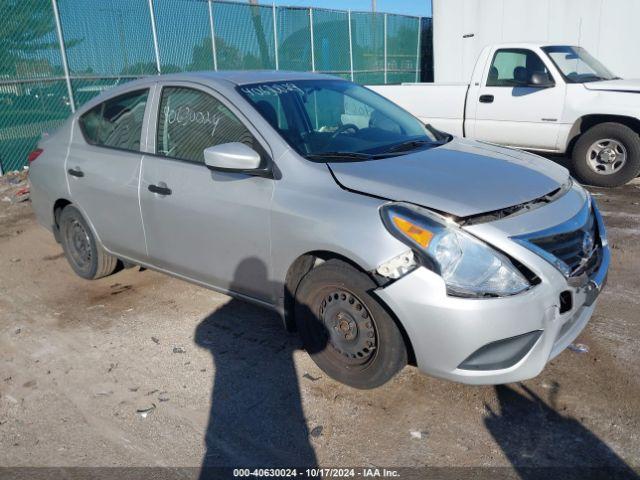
(441, 105)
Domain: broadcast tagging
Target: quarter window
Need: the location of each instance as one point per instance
(514, 67)
(117, 122)
(190, 121)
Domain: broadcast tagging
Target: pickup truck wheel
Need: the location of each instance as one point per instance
(607, 155)
(86, 257)
(345, 330)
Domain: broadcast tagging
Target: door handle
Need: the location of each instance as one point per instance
(486, 98)
(75, 172)
(161, 189)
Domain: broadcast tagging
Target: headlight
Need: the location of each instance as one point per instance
(469, 267)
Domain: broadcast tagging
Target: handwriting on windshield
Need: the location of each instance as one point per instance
(185, 116)
(272, 89)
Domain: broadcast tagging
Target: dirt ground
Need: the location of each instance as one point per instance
(140, 369)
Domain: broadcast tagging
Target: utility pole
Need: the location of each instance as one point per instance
(373, 6)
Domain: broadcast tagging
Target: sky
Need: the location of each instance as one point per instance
(420, 8)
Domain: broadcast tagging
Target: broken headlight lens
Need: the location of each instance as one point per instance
(469, 267)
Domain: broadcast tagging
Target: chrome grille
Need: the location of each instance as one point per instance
(573, 247)
(577, 249)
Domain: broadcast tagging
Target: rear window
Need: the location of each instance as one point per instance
(117, 122)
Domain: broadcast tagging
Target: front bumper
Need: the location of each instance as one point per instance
(446, 331)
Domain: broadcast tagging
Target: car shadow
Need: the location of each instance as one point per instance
(541, 443)
(256, 417)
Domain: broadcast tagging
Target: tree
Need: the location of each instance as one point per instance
(228, 56)
(27, 28)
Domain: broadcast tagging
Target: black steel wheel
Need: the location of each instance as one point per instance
(86, 257)
(349, 328)
(345, 330)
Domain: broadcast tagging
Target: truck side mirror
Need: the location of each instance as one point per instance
(541, 80)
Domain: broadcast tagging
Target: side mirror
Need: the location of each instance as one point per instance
(541, 80)
(233, 157)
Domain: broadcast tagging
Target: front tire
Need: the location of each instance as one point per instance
(345, 330)
(86, 257)
(607, 155)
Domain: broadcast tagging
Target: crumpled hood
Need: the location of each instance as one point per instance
(462, 178)
(632, 86)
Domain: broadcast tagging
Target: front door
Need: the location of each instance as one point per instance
(512, 112)
(212, 227)
(103, 170)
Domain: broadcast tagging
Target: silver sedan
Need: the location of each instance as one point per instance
(381, 240)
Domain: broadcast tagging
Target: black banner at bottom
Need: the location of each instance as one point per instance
(398, 473)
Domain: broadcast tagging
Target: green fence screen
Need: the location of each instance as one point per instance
(294, 39)
(108, 42)
(331, 42)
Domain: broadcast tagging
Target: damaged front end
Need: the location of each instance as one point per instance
(517, 209)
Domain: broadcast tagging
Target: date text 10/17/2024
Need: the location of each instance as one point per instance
(316, 473)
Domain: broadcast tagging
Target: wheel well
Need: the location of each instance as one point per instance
(588, 121)
(298, 269)
(307, 262)
(57, 209)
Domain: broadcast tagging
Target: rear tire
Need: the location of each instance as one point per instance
(607, 155)
(345, 330)
(88, 259)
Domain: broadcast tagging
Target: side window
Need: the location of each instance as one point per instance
(117, 122)
(189, 121)
(514, 67)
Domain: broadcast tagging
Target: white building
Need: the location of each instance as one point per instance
(608, 29)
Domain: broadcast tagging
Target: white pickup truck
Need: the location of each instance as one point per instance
(556, 99)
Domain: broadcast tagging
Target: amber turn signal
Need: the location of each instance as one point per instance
(416, 233)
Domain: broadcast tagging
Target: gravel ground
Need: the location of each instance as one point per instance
(140, 369)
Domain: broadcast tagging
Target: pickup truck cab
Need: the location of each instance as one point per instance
(556, 99)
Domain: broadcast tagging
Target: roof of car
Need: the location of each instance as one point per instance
(530, 45)
(245, 77)
(230, 77)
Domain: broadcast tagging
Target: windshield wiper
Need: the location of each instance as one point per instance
(590, 77)
(410, 145)
(392, 152)
(339, 155)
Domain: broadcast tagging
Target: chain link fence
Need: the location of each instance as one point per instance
(55, 55)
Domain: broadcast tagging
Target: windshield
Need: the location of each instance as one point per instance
(577, 65)
(336, 118)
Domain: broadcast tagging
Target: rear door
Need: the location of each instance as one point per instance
(510, 111)
(103, 170)
(212, 227)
